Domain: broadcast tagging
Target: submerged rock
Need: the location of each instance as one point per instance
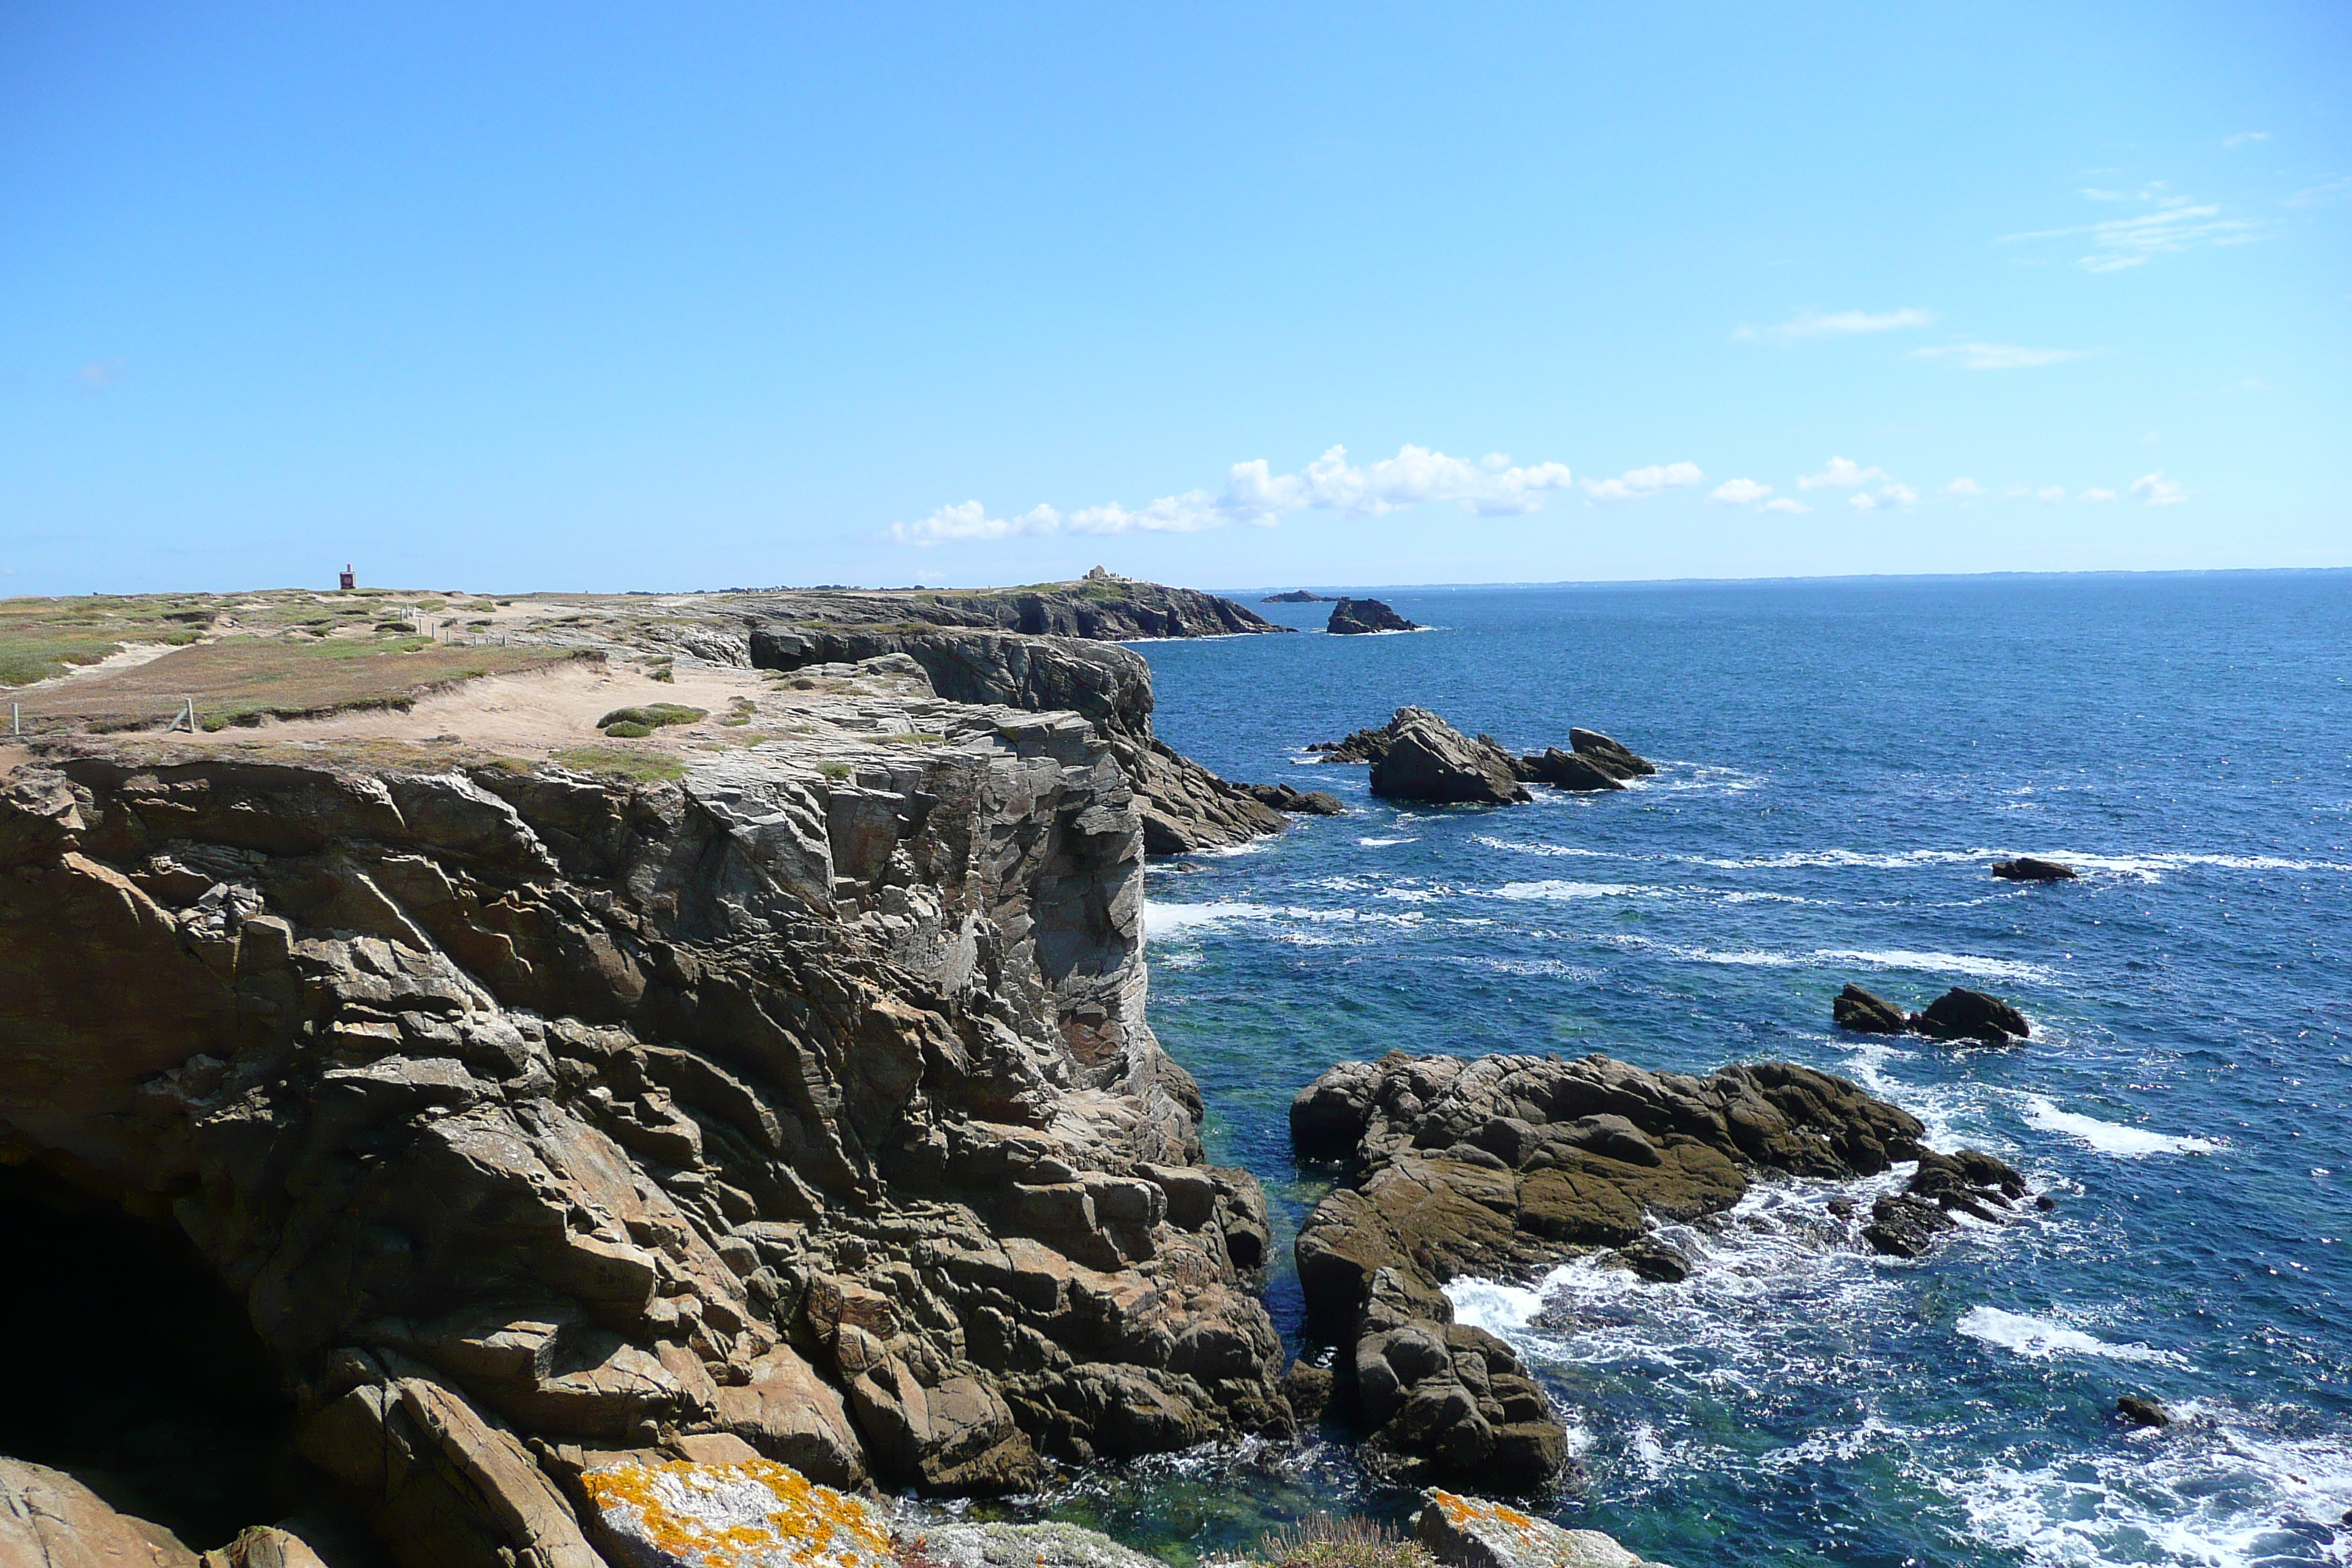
(1505, 1166)
(2143, 1412)
(1424, 758)
(1868, 1013)
(1353, 617)
(2027, 869)
(1472, 1532)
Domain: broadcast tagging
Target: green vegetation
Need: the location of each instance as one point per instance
(633, 721)
(628, 730)
(916, 738)
(1321, 1541)
(644, 767)
(43, 638)
(835, 770)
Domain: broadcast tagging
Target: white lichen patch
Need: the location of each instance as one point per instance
(752, 1514)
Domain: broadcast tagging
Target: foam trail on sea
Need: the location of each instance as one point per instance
(2039, 1339)
(2111, 1138)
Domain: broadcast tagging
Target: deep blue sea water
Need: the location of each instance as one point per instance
(1841, 761)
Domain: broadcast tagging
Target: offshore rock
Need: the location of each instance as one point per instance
(1566, 770)
(1505, 1166)
(1306, 803)
(1866, 1012)
(1300, 596)
(1961, 1013)
(2143, 1412)
(2027, 869)
(1970, 1182)
(1424, 758)
(1472, 1532)
(1608, 756)
(800, 1101)
(1354, 617)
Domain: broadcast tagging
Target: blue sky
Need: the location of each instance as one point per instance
(586, 296)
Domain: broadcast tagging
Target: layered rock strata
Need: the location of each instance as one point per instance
(805, 1099)
(1185, 806)
(1505, 1166)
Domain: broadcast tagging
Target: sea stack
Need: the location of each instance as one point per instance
(1354, 617)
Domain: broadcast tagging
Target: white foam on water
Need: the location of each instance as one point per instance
(2152, 868)
(1167, 919)
(1559, 890)
(1942, 964)
(1542, 848)
(2206, 1492)
(1384, 843)
(1500, 1310)
(2039, 1339)
(2109, 1137)
(1879, 861)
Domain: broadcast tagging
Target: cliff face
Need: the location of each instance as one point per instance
(531, 1114)
(1185, 806)
(1105, 608)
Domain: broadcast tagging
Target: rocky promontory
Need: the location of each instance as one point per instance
(791, 1093)
(1505, 1165)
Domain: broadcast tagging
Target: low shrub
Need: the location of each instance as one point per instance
(1323, 1540)
(652, 716)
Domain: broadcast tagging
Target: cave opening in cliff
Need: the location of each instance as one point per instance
(136, 1371)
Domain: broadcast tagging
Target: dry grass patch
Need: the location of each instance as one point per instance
(244, 679)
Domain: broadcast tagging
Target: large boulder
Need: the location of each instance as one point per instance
(1296, 802)
(1427, 759)
(748, 1514)
(1353, 617)
(48, 1519)
(1473, 1533)
(1505, 1166)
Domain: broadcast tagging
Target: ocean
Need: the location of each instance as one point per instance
(1840, 762)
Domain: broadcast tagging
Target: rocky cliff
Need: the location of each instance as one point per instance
(802, 1101)
(1098, 607)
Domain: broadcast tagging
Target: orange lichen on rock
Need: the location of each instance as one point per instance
(750, 1515)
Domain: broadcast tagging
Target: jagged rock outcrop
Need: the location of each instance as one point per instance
(1508, 1165)
(1185, 806)
(2027, 869)
(1355, 617)
(1959, 1014)
(1566, 770)
(802, 1101)
(1424, 758)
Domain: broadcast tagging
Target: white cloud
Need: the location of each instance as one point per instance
(1843, 474)
(1835, 324)
(2050, 492)
(1738, 493)
(2157, 490)
(2001, 356)
(2334, 190)
(1964, 488)
(1789, 504)
(1640, 484)
(1255, 495)
(2096, 495)
(1887, 496)
(2177, 223)
(2242, 137)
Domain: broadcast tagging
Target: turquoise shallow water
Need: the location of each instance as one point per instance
(1841, 761)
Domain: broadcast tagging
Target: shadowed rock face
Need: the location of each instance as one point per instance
(1503, 1166)
(1424, 758)
(535, 1115)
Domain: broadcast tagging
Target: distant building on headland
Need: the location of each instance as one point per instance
(350, 580)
